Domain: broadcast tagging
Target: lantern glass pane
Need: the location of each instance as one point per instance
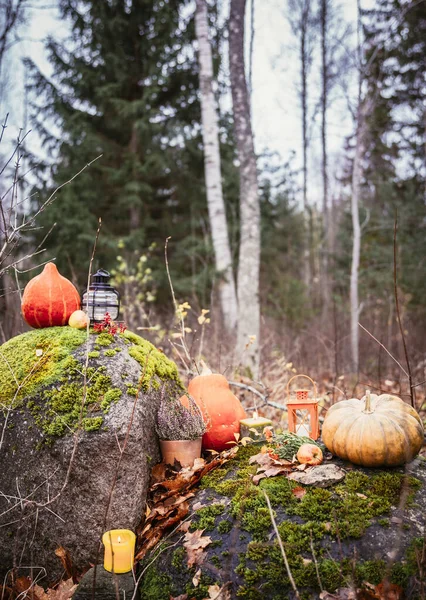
(303, 423)
(99, 302)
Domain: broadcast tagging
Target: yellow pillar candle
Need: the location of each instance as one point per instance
(119, 550)
(253, 427)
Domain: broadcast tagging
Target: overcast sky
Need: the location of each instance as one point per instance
(276, 112)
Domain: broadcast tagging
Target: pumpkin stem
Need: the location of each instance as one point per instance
(367, 407)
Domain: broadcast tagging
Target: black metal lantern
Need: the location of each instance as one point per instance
(101, 298)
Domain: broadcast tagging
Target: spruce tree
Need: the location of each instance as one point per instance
(124, 85)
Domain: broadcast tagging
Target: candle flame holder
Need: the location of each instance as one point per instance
(302, 407)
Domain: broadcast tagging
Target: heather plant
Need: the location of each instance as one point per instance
(178, 422)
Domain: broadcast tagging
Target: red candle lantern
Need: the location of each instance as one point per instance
(302, 406)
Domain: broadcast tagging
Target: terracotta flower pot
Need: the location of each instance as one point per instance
(185, 451)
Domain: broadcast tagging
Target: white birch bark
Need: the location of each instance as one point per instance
(212, 169)
(249, 252)
(356, 241)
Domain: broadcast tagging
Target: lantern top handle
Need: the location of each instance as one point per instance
(101, 277)
(305, 377)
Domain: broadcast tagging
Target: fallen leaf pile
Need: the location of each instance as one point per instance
(167, 503)
(26, 588)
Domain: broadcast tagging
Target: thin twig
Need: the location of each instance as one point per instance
(401, 329)
(281, 545)
(315, 561)
(385, 349)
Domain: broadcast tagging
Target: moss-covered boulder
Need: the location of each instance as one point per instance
(352, 532)
(61, 429)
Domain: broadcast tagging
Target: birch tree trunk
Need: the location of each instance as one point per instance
(325, 282)
(300, 19)
(356, 241)
(249, 252)
(216, 205)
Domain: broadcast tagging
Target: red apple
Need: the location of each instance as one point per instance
(309, 454)
(78, 319)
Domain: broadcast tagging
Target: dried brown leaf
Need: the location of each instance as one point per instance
(298, 492)
(276, 470)
(194, 543)
(65, 558)
(196, 578)
(63, 591)
(389, 591)
(257, 478)
(218, 593)
(158, 473)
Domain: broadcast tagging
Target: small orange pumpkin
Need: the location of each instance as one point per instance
(49, 299)
(221, 409)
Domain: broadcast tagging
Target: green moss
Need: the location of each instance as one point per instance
(224, 526)
(58, 409)
(43, 359)
(205, 517)
(215, 560)
(111, 396)
(110, 352)
(104, 339)
(201, 592)
(22, 372)
(322, 516)
(155, 585)
(92, 423)
(154, 363)
(178, 558)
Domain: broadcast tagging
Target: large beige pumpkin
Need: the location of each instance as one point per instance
(376, 431)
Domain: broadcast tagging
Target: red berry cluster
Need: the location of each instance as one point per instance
(108, 326)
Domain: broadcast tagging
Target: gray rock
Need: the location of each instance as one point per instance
(43, 503)
(106, 586)
(322, 476)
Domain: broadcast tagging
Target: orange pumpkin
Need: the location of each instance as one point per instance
(49, 299)
(222, 410)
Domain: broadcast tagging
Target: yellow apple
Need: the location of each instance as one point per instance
(309, 454)
(78, 320)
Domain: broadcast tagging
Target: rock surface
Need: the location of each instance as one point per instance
(55, 486)
(358, 530)
(320, 476)
(108, 586)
